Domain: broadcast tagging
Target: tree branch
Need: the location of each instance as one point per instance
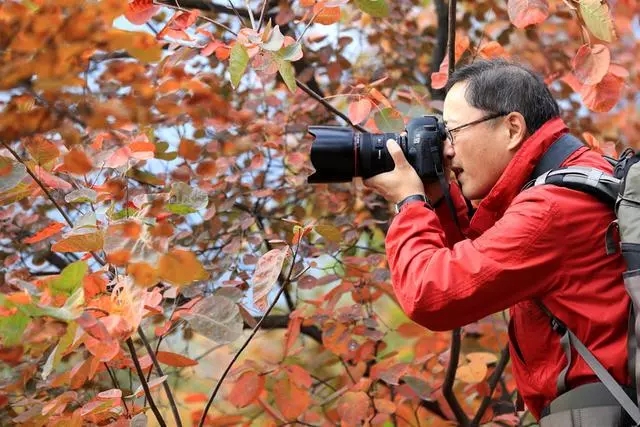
(282, 322)
(145, 386)
(207, 7)
(167, 389)
(450, 376)
(493, 382)
(246, 342)
(440, 48)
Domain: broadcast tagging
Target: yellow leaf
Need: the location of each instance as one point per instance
(472, 373)
(85, 242)
(482, 357)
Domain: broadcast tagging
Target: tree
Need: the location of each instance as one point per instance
(165, 259)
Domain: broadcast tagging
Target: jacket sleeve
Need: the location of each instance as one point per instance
(452, 232)
(444, 288)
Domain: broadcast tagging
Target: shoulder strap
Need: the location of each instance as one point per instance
(568, 339)
(557, 153)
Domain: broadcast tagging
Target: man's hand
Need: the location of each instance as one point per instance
(401, 182)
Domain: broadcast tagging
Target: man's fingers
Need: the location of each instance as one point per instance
(396, 153)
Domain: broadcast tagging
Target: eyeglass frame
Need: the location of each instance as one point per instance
(475, 122)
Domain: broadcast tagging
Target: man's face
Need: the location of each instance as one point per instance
(478, 153)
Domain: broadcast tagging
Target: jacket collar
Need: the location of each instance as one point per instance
(516, 175)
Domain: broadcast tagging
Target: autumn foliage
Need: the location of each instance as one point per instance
(164, 260)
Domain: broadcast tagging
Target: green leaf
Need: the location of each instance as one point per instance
(389, 120)
(64, 343)
(288, 74)
(238, 63)
(179, 209)
(376, 8)
(71, 278)
(145, 177)
(12, 173)
(171, 155)
(12, 328)
(597, 18)
(124, 213)
(291, 53)
(192, 197)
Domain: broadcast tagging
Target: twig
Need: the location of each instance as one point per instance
(328, 106)
(116, 385)
(251, 18)
(493, 382)
(452, 36)
(167, 389)
(206, 18)
(260, 21)
(247, 341)
(145, 386)
(450, 376)
(244, 24)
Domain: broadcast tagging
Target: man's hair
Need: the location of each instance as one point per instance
(500, 86)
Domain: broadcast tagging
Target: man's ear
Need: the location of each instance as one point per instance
(517, 128)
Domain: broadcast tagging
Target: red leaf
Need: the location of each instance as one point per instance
(603, 96)
(591, 64)
(48, 231)
(359, 110)
(174, 359)
(247, 389)
(51, 180)
(523, 13)
(293, 331)
(140, 11)
(439, 80)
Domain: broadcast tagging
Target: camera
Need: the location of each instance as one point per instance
(339, 154)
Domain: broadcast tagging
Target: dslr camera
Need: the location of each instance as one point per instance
(339, 154)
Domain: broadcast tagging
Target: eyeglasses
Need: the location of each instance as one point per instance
(475, 122)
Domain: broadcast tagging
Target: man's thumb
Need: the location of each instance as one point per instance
(396, 153)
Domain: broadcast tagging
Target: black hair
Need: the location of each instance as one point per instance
(500, 86)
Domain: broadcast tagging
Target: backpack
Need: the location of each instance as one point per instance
(620, 191)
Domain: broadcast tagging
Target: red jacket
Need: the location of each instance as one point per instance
(546, 242)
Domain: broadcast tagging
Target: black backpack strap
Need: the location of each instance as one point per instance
(557, 153)
(569, 339)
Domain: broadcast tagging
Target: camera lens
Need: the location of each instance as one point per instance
(333, 154)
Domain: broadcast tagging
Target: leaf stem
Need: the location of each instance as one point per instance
(145, 386)
(248, 340)
(167, 389)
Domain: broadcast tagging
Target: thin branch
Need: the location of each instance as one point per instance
(450, 376)
(235, 10)
(116, 385)
(247, 341)
(145, 386)
(493, 382)
(205, 18)
(328, 106)
(452, 36)
(167, 389)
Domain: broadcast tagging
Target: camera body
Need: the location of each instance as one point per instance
(339, 153)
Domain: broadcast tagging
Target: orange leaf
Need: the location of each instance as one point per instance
(19, 298)
(79, 243)
(189, 149)
(472, 373)
(359, 110)
(439, 80)
(591, 64)
(143, 274)
(77, 161)
(137, 146)
(326, 15)
(174, 359)
(291, 399)
(493, 49)
(51, 180)
(48, 231)
(114, 393)
(267, 272)
(523, 13)
(293, 331)
(181, 267)
(247, 389)
(42, 150)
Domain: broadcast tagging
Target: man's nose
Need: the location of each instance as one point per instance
(448, 150)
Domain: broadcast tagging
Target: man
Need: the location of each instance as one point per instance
(544, 243)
